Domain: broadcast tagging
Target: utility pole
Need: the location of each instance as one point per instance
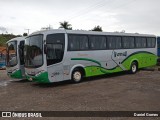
(28, 31)
(49, 27)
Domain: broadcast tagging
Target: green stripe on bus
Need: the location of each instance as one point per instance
(144, 59)
(87, 59)
(42, 78)
(96, 70)
(16, 74)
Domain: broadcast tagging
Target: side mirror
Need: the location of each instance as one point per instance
(45, 49)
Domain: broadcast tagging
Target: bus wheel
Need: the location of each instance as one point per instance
(134, 67)
(77, 76)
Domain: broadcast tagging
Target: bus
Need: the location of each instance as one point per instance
(15, 58)
(158, 46)
(2, 61)
(158, 50)
(58, 55)
(2, 58)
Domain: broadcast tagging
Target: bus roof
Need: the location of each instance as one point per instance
(89, 32)
(16, 39)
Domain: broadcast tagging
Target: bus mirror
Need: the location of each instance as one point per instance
(45, 49)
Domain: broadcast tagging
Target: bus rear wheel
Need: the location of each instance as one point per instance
(77, 76)
(134, 68)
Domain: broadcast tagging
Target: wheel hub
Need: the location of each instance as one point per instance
(134, 68)
(77, 76)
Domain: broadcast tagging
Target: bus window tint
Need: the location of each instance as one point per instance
(83, 42)
(143, 43)
(98, 42)
(110, 42)
(55, 48)
(138, 42)
(118, 42)
(54, 53)
(128, 42)
(12, 53)
(151, 42)
(114, 42)
(77, 42)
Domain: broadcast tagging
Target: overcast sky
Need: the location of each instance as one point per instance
(135, 16)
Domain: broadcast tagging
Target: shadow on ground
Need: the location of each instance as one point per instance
(68, 82)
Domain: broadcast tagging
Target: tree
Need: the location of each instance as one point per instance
(65, 25)
(5, 37)
(97, 28)
(25, 34)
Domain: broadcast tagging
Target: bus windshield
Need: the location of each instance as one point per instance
(11, 53)
(33, 51)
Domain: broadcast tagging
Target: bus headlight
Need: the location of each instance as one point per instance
(15, 70)
(39, 72)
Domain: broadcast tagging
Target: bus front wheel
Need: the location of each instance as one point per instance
(77, 76)
(134, 67)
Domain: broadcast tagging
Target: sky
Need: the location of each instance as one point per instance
(131, 16)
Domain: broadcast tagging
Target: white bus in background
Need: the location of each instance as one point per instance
(15, 58)
(58, 55)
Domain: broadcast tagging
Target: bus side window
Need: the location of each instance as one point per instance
(98, 42)
(118, 42)
(73, 43)
(151, 42)
(114, 42)
(144, 43)
(138, 42)
(55, 48)
(77, 42)
(110, 43)
(128, 42)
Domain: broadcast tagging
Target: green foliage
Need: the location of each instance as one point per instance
(97, 28)
(5, 37)
(65, 25)
(25, 34)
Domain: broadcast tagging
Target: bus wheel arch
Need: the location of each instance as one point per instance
(77, 74)
(134, 66)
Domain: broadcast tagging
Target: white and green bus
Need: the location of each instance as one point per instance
(58, 55)
(15, 58)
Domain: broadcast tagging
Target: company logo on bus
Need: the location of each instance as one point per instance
(116, 54)
(55, 74)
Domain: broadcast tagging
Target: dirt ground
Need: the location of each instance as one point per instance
(116, 92)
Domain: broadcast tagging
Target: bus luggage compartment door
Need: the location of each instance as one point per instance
(118, 56)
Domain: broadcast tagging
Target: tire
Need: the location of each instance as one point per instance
(134, 68)
(77, 76)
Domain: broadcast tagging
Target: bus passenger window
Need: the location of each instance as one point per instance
(98, 42)
(111, 43)
(138, 42)
(55, 48)
(118, 42)
(77, 42)
(54, 53)
(144, 43)
(151, 42)
(128, 42)
(114, 42)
